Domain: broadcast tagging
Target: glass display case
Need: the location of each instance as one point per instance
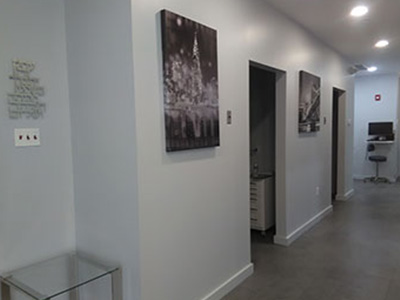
(58, 276)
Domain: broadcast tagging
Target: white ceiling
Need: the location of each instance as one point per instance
(354, 38)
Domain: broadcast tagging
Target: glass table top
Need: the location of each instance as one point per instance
(56, 276)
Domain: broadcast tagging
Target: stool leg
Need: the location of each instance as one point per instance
(377, 170)
(5, 292)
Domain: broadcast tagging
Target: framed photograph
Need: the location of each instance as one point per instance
(190, 78)
(309, 102)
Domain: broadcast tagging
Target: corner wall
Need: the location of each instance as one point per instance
(36, 186)
(194, 210)
(99, 46)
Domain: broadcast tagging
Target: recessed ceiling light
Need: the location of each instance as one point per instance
(359, 11)
(372, 69)
(382, 44)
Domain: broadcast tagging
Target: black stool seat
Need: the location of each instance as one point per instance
(377, 158)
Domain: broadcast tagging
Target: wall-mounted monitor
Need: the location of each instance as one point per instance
(380, 128)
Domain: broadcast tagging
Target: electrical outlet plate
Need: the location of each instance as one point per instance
(229, 117)
(26, 137)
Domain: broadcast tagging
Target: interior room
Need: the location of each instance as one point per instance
(383, 112)
(173, 150)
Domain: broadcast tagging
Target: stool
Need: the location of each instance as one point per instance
(377, 159)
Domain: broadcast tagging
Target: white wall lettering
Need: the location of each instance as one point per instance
(25, 100)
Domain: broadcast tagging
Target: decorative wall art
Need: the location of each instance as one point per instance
(190, 78)
(25, 100)
(309, 102)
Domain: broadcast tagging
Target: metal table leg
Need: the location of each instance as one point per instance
(5, 291)
(73, 276)
(116, 278)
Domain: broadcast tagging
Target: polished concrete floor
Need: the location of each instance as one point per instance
(353, 254)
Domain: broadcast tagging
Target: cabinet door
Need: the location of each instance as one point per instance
(255, 205)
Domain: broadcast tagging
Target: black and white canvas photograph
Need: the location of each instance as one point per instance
(190, 76)
(309, 102)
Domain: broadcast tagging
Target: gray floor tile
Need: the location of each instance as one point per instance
(241, 293)
(353, 254)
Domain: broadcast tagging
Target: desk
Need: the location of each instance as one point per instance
(60, 275)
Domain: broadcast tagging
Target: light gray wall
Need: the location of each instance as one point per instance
(36, 186)
(194, 205)
(194, 219)
(368, 110)
(99, 43)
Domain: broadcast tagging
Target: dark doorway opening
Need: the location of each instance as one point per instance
(262, 151)
(337, 93)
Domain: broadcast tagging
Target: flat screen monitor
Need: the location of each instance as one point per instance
(380, 128)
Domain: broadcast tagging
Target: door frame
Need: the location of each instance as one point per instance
(341, 143)
(280, 145)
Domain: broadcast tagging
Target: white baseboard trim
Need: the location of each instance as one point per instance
(346, 196)
(230, 284)
(286, 241)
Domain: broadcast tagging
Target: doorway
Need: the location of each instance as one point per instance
(336, 96)
(262, 119)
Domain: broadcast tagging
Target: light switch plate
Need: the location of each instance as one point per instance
(26, 137)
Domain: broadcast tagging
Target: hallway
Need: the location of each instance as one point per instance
(353, 254)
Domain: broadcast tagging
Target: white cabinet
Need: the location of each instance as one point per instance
(262, 206)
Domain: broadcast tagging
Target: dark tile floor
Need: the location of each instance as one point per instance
(353, 254)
